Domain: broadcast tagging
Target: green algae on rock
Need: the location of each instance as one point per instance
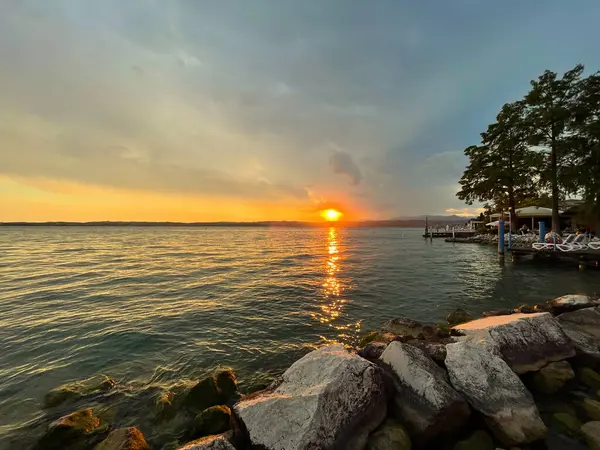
(69, 430)
(589, 377)
(164, 409)
(479, 440)
(567, 423)
(212, 391)
(592, 408)
(391, 435)
(124, 439)
(213, 420)
(591, 434)
(459, 316)
(78, 389)
(552, 378)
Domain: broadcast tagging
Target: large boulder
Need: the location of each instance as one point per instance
(211, 391)
(583, 328)
(591, 433)
(68, 430)
(372, 350)
(493, 389)
(391, 435)
(424, 398)
(527, 342)
(124, 439)
(572, 302)
(327, 399)
(209, 443)
(213, 420)
(553, 377)
(77, 390)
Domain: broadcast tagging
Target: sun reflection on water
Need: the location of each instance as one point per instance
(333, 290)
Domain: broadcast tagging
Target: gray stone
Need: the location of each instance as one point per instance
(583, 328)
(372, 350)
(424, 398)
(218, 442)
(591, 433)
(553, 377)
(493, 389)
(527, 342)
(435, 350)
(327, 399)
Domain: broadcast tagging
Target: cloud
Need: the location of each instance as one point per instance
(465, 212)
(342, 164)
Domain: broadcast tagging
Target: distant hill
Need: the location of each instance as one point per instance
(437, 219)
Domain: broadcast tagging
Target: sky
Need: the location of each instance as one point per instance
(200, 110)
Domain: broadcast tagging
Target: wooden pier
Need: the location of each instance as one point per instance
(584, 258)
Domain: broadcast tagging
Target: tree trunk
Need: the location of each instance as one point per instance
(554, 180)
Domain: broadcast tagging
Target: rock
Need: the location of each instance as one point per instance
(68, 430)
(372, 350)
(435, 350)
(124, 439)
(527, 342)
(493, 389)
(499, 312)
(389, 436)
(404, 327)
(209, 443)
(213, 420)
(327, 399)
(212, 391)
(541, 308)
(524, 308)
(567, 423)
(589, 377)
(479, 440)
(553, 377)
(592, 408)
(591, 433)
(376, 336)
(459, 316)
(571, 302)
(424, 398)
(583, 328)
(163, 406)
(77, 390)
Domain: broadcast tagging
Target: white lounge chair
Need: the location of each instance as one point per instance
(579, 243)
(594, 244)
(550, 245)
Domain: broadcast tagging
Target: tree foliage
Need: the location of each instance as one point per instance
(541, 148)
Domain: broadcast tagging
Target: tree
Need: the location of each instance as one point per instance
(503, 169)
(549, 113)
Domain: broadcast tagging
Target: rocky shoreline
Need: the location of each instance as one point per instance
(524, 378)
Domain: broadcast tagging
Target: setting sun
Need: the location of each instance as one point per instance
(331, 215)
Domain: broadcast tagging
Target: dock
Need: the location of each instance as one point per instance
(585, 258)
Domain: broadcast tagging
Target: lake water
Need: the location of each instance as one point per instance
(154, 305)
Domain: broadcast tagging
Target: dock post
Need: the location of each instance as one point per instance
(542, 231)
(501, 239)
(509, 231)
(426, 228)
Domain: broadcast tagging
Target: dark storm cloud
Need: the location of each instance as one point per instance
(342, 163)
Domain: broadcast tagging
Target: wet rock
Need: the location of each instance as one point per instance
(592, 408)
(524, 308)
(493, 389)
(459, 316)
(124, 439)
(209, 443)
(567, 423)
(372, 350)
(391, 435)
(540, 307)
(403, 327)
(163, 406)
(553, 377)
(479, 440)
(327, 399)
(376, 336)
(589, 377)
(213, 420)
(423, 398)
(571, 302)
(68, 430)
(527, 342)
(591, 434)
(77, 390)
(435, 350)
(212, 391)
(499, 312)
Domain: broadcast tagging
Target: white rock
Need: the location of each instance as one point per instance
(424, 398)
(493, 389)
(327, 399)
(527, 342)
(218, 442)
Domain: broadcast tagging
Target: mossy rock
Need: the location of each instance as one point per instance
(213, 420)
(68, 430)
(479, 440)
(77, 390)
(124, 439)
(553, 377)
(443, 329)
(389, 436)
(567, 423)
(591, 434)
(592, 408)
(376, 336)
(163, 406)
(459, 316)
(589, 377)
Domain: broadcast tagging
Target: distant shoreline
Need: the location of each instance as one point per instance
(291, 224)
